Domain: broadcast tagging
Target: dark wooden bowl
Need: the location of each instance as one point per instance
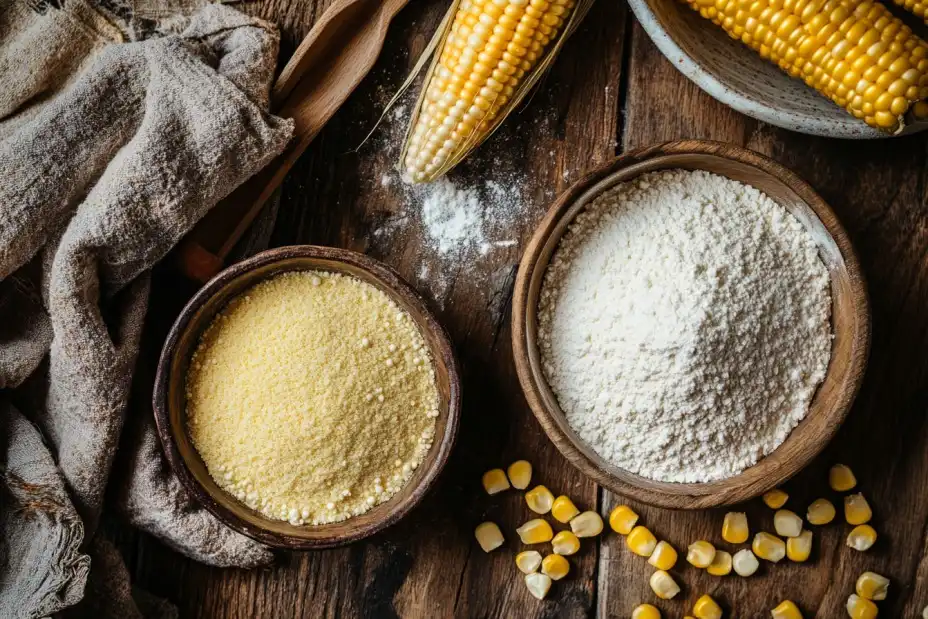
(170, 407)
(850, 323)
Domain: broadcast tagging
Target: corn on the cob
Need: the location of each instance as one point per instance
(721, 564)
(707, 608)
(775, 499)
(861, 608)
(841, 478)
(664, 556)
(862, 537)
(535, 531)
(565, 543)
(538, 584)
(700, 554)
(744, 562)
(488, 536)
(857, 509)
(539, 499)
(872, 586)
(623, 519)
(855, 52)
(555, 567)
(735, 528)
(787, 523)
(820, 512)
(564, 509)
(495, 481)
(487, 61)
(799, 548)
(786, 610)
(641, 541)
(520, 474)
(528, 561)
(663, 585)
(587, 524)
(769, 547)
(646, 611)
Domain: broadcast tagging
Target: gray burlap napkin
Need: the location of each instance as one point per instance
(111, 147)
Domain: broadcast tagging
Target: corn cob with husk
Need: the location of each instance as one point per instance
(855, 52)
(490, 54)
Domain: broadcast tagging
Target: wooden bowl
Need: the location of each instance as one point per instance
(170, 406)
(850, 323)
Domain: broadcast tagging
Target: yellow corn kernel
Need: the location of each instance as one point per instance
(769, 547)
(744, 562)
(857, 509)
(799, 548)
(538, 584)
(721, 564)
(664, 556)
(646, 611)
(539, 500)
(775, 499)
(786, 610)
(494, 481)
(555, 567)
(707, 608)
(700, 554)
(623, 519)
(872, 586)
(820, 512)
(861, 537)
(528, 561)
(663, 585)
(520, 474)
(535, 531)
(641, 541)
(861, 608)
(735, 528)
(787, 523)
(564, 509)
(488, 536)
(565, 543)
(841, 478)
(587, 524)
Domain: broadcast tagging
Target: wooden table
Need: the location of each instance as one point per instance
(609, 91)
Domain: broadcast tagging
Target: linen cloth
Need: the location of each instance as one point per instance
(118, 131)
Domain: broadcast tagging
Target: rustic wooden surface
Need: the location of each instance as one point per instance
(610, 90)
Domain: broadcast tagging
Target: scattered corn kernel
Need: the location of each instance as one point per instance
(539, 499)
(744, 562)
(862, 537)
(646, 611)
(721, 564)
(700, 554)
(641, 541)
(564, 509)
(555, 567)
(535, 531)
(775, 499)
(787, 523)
(663, 585)
(841, 478)
(820, 512)
(769, 547)
(707, 608)
(495, 481)
(735, 528)
(489, 536)
(565, 543)
(664, 556)
(520, 474)
(872, 586)
(856, 509)
(528, 561)
(861, 608)
(587, 524)
(786, 610)
(623, 519)
(538, 584)
(799, 548)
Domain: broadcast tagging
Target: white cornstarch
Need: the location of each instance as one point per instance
(684, 325)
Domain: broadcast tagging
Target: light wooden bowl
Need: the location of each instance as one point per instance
(170, 406)
(850, 323)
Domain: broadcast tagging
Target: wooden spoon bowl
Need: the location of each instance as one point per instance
(850, 323)
(170, 403)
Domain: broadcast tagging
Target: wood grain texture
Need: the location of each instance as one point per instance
(428, 565)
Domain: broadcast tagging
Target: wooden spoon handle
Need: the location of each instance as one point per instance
(328, 65)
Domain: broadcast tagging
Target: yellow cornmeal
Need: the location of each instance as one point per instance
(312, 397)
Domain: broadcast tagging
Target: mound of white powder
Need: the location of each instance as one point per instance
(684, 325)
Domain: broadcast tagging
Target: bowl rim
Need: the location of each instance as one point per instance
(692, 495)
(398, 287)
